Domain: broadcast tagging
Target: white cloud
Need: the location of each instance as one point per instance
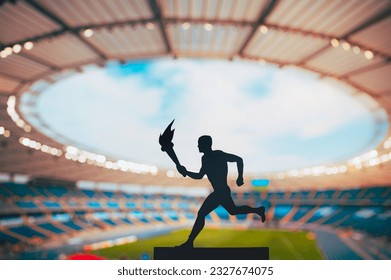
(125, 115)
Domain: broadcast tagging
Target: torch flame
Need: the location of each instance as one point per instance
(165, 139)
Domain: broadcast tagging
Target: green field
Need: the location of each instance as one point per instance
(284, 245)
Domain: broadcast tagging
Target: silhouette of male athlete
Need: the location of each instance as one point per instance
(214, 165)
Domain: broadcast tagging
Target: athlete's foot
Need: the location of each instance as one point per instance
(186, 245)
(261, 212)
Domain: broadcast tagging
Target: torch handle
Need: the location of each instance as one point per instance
(171, 153)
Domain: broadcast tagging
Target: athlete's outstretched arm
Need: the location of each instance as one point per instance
(239, 162)
(194, 175)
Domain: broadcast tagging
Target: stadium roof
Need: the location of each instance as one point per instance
(43, 41)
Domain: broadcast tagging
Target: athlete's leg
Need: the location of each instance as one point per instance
(210, 203)
(229, 205)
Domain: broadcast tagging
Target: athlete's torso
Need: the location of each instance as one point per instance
(215, 167)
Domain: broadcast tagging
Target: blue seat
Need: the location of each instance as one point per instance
(72, 225)
(58, 190)
(110, 222)
(89, 193)
(130, 205)
(5, 238)
(26, 231)
(112, 204)
(52, 204)
(282, 210)
(301, 212)
(173, 215)
(26, 204)
(21, 190)
(94, 204)
(51, 227)
(126, 220)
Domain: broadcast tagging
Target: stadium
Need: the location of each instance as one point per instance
(81, 179)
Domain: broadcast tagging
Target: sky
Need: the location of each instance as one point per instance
(275, 119)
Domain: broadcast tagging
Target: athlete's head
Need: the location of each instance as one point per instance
(205, 143)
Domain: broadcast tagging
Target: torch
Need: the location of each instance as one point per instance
(165, 141)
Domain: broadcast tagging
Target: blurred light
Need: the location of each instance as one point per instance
(19, 122)
(27, 128)
(263, 29)
(8, 50)
(306, 171)
(44, 148)
(374, 161)
(373, 153)
(356, 49)
(346, 46)
(32, 144)
(7, 133)
(17, 48)
(343, 168)
(2, 129)
(186, 25)
(170, 173)
(311, 236)
(334, 42)
(150, 26)
(109, 164)
(72, 150)
(82, 159)
(3, 54)
(28, 45)
(385, 158)
(293, 173)
(208, 27)
(100, 158)
(53, 151)
(387, 144)
(368, 54)
(88, 33)
(154, 170)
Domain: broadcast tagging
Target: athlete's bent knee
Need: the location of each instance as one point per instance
(232, 211)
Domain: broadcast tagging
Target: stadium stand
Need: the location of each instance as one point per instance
(32, 215)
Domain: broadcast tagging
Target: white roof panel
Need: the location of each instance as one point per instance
(19, 21)
(127, 41)
(90, 12)
(283, 46)
(7, 85)
(338, 62)
(243, 10)
(376, 80)
(66, 50)
(376, 37)
(20, 67)
(331, 17)
(222, 40)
